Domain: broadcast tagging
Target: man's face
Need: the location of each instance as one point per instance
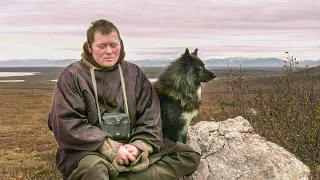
(105, 49)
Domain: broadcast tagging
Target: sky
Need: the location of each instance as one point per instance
(56, 29)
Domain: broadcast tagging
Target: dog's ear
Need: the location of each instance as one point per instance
(186, 53)
(195, 52)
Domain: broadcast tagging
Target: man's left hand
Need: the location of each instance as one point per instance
(135, 152)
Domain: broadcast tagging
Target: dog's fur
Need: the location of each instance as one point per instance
(179, 91)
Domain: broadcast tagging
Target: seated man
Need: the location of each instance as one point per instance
(92, 87)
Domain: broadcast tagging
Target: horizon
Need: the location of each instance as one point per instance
(220, 29)
(240, 61)
(157, 60)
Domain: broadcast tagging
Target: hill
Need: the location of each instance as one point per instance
(235, 62)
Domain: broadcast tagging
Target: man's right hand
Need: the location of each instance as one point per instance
(135, 152)
(124, 156)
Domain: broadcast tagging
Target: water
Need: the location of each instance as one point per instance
(11, 74)
(12, 80)
(152, 80)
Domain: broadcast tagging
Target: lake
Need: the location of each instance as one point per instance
(15, 74)
(11, 74)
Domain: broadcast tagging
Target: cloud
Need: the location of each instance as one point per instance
(215, 26)
(152, 18)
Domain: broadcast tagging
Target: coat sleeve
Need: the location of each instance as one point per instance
(68, 121)
(148, 123)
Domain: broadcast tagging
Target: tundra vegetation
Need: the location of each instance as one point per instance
(286, 112)
(283, 106)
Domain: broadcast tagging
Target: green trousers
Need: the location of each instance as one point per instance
(182, 161)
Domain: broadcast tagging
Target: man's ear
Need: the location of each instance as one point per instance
(89, 48)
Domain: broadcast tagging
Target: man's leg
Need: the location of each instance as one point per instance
(93, 167)
(182, 161)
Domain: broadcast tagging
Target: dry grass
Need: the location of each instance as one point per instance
(284, 109)
(27, 147)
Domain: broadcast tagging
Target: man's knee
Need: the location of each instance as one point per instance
(188, 160)
(91, 167)
(183, 159)
(191, 160)
(186, 154)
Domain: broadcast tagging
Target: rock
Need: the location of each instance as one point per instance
(231, 150)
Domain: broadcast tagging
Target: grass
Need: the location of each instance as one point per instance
(28, 147)
(286, 108)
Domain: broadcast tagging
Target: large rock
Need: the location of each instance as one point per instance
(231, 150)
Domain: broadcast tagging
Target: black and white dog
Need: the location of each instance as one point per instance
(179, 91)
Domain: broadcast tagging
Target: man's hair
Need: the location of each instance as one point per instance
(104, 27)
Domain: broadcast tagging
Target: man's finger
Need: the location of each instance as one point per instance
(126, 161)
(120, 162)
(131, 158)
(129, 150)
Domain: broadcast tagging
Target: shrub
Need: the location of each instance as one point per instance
(288, 114)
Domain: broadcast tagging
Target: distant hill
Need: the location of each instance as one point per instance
(312, 70)
(36, 63)
(246, 62)
(152, 63)
(235, 62)
(254, 62)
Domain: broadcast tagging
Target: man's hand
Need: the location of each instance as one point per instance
(124, 156)
(134, 151)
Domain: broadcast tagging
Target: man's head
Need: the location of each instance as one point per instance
(104, 43)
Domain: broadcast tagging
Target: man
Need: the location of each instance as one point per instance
(87, 152)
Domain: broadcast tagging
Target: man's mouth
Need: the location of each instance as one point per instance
(108, 58)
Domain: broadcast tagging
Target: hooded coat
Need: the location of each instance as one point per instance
(74, 116)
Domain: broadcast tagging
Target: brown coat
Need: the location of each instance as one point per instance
(74, 116)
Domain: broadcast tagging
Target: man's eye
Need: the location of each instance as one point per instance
(114, 45)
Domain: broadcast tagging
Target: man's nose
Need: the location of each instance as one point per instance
(108, 50)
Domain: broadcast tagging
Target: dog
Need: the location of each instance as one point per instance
(179, 92)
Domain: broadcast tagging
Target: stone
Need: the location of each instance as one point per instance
(230, 150)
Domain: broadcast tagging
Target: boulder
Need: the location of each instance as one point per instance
(231, 150)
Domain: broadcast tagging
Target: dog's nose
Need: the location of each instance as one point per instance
(213, 75)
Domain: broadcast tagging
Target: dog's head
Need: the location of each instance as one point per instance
(192, 64)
